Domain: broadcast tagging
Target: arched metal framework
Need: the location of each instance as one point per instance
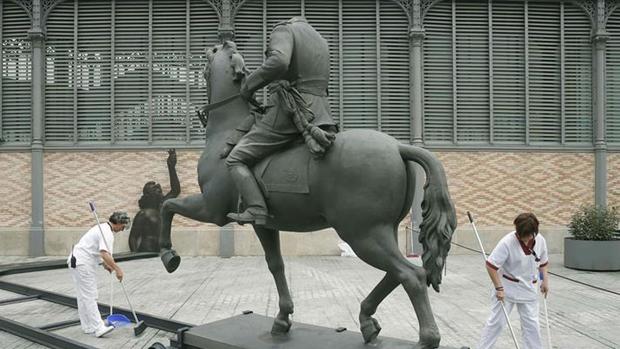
(415, 11)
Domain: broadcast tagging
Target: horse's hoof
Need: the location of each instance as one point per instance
(280, 327)
(171, 259)
(428, 340)
(370, 329)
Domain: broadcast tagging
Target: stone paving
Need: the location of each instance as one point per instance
(327, 292)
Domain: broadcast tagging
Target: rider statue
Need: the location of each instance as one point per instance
(297, 69)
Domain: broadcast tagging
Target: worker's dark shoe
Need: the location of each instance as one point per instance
(249, 217)
(102, 331)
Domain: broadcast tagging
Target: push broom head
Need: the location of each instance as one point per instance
(140, 327)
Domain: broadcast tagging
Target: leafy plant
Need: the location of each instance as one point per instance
(594, 223)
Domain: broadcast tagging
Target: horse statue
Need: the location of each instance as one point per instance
(363, 187)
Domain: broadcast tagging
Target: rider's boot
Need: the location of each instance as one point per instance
(256, 211)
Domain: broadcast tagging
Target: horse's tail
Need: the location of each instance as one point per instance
(438, 213)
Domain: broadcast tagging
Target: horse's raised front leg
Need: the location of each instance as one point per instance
(368, 325)
(270, 239)
(191, 207)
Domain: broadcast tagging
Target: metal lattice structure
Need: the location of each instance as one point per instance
(446, 74)
(508, 73)
(119, 74)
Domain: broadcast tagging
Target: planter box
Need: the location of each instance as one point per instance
(592, 255)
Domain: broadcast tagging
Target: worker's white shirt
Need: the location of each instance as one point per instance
(87, 250)
(518, 267)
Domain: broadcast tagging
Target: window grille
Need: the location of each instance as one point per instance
(127, 72)
(613, 79)
(15, 87)
(507, 73)
(369, 52)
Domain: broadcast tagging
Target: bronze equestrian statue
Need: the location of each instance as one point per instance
(144, 234)
(302, 73)
(362, 187)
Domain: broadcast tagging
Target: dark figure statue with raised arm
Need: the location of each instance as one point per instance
(297, 66)
(144, 235)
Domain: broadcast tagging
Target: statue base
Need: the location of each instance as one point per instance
(251, 331)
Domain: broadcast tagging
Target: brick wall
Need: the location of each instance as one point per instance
(498, 186)
(114, 180)
(495, 186)
(613, 179)
(15, 198)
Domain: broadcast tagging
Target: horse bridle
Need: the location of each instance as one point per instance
(204, 111)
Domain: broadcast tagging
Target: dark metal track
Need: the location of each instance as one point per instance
(150, 320)
(18, 268)
(42, 335)
(19, 299)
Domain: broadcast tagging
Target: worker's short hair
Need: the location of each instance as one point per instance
(526, 224)
(119, 217)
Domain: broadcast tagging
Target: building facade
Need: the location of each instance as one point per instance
(519, 99)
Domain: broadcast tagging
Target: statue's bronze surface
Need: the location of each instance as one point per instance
(362, 187)
(144, 234)
(300, 76)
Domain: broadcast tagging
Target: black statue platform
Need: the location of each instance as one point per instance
(251, 331)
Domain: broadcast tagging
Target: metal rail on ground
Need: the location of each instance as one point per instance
(42, 334)
(39, 336)
(150, 320)
(18, 268)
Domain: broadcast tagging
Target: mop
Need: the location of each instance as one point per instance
(547, 321)
(546, 316)
(484, 256)
(140, 325)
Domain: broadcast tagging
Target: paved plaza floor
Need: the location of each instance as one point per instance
(327, 291)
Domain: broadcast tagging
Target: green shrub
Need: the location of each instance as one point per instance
(592, 223)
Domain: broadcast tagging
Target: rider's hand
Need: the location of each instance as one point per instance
(107, 267)
(119, 274)
(226, 149)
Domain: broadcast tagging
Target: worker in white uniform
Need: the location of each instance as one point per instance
(83, 263)
(514, 267)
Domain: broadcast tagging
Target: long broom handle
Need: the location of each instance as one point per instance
(484, 256)
(547, 320)
(111, 292)
(128, 302)
(546, 316)
(94, 211)
(91, 204)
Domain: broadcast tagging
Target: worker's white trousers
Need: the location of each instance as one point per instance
(85, 280)
(528, 312)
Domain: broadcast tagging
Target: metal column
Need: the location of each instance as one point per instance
(37, 37)
(599, 51)
(416, 37)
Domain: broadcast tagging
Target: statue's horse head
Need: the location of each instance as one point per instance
(224, 73)
(225, 70)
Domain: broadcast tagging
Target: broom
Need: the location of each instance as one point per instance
(140, 325)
